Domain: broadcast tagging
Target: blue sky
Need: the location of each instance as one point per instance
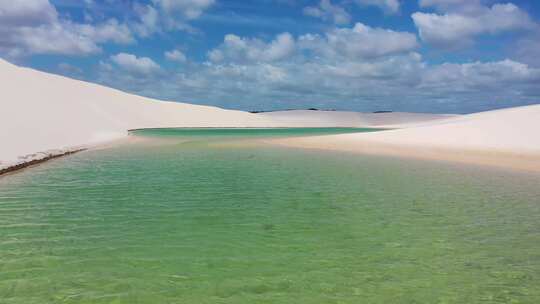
(454, 56)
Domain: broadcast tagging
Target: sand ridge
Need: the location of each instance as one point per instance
(505, 138)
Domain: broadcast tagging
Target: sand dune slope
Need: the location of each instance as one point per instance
(509, 130)
(508, 137)
(41, 111)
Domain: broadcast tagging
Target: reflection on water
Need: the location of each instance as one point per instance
(183, 219)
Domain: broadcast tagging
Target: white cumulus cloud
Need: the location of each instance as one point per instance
(34, 27)
(388, 6)
(134, 64)
(26, 13)
(328, 12)
(167, 15)
(189, 9)
(149, 20)
(459, 6)
(360, 41)
(175, 55)
(238, 49)
(459, 27)
(110, 30)
(480, 76)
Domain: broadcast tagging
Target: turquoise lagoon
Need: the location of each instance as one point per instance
(219, 216)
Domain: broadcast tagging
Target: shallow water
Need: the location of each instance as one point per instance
(214, 216)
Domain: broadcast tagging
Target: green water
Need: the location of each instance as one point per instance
(215, 216)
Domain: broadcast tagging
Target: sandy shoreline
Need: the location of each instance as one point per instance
(500, 159)
(503, 138)
(38, 160)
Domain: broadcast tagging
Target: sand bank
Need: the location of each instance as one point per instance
(506, 138)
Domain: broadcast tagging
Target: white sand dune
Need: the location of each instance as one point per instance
(507, 138)
(41, 112)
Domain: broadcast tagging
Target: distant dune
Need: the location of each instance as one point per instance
(507, 138)
(44, 114)
(307, 118)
